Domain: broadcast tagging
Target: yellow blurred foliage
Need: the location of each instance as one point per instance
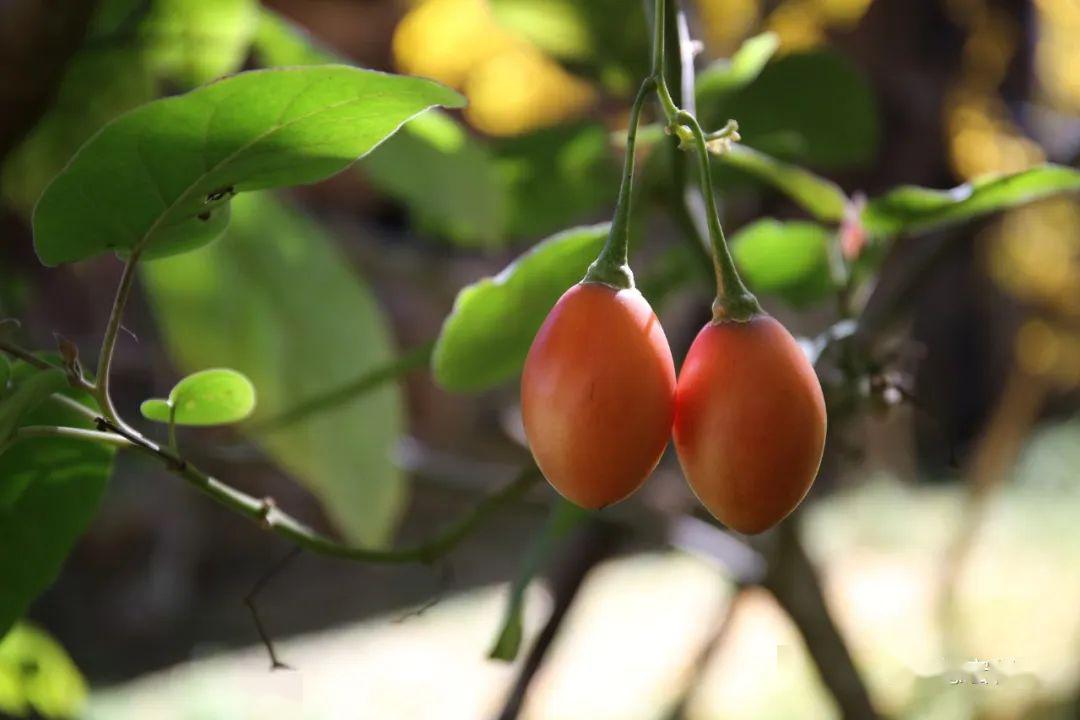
(800, 24)
(726, 23)
(982, 138)
(1035, 254)
(1057, 54)
(512, 86)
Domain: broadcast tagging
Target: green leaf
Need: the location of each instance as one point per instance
(787, 259)
(814, 108)
(211, 397)
(820, 197)
(914, 209)
(277, 301)
(725, 76)
(5, 373)
(153, 176)
(448, 179)
(50, 488)
(487, 335)
(37, 675)
(29, 393)
(195, 41)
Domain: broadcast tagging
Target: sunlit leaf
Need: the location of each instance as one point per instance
(36, 674)
(786, 259)
(171, 165)
(485, 339)
(728, 75)
(276, 300)
(210, 397)
(49, 490)
(195, 41)
(914, 209)
(820, 197)
(813, 107)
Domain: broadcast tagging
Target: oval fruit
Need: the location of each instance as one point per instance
(598, 394)
(749, 422)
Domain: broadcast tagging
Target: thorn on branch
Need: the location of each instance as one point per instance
(269, 505)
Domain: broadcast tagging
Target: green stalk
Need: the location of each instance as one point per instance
(612, 265)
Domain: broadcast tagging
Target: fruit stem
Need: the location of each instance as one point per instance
(612, 266)
(734, 302)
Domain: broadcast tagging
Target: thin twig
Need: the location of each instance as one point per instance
(29, 432)
(266, 513)
(249, 601)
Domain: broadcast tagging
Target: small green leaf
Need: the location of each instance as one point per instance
(487, 335)
(29, 393)
(211, 397)
(820, 197)
(53, 689)
(725, 76)
(153, 176)
(787, 259)
(914, 209)
(257, 302)
(50, 488)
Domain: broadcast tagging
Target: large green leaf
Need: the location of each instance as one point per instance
(29, 393)
(218, 396)
(786, 259)
(275, 300)
(448, 179)
(49, 490)
(820, 197)
(37, 675)
(813, 107)
(152, 177)
(915, 209)
(728, 75)
(485, 339)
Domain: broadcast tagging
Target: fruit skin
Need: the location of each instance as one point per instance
(598, 394)
(749, 422)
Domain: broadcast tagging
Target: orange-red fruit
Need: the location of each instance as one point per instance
(598, 394)
(749, 422)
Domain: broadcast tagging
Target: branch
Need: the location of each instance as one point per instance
(112, 329)
(264, 512)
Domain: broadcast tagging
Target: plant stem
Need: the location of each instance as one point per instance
(264, 511)
(611, 266)
(112, 329)
(29, 432)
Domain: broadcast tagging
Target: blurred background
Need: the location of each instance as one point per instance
(933, 572)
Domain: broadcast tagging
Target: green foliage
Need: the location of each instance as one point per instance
(196, 41)
(37, 676)
(5, 373)
(49, 490)
(210, 397)
(786, 259)
(275, 300)
(28, 394)
(448, 179)
(607, 40)
(486, 337)
(820, 197)
(556, 177)
(152, 177)
(909, 209)
(811, 107)
(727, 75)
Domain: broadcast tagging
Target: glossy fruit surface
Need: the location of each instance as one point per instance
(598, 394)
(749, 422)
